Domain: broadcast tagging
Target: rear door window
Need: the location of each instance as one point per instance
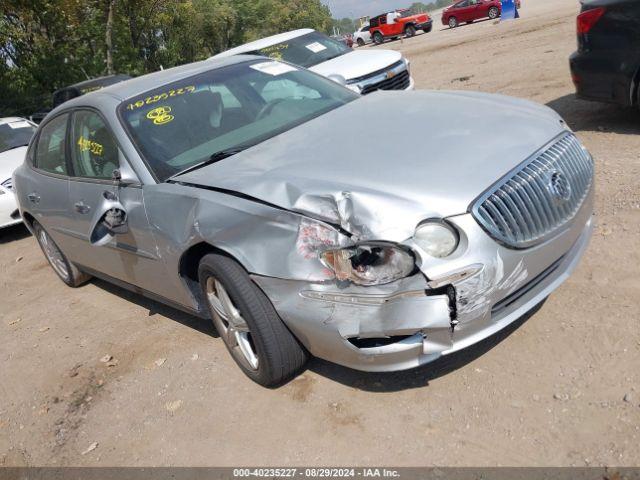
(50, 150)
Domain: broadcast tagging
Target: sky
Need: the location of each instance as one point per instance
(360, 8)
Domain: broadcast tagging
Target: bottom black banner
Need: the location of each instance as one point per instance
(206, 473)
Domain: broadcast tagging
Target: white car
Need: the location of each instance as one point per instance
(15, 134)
(362, 36)
(363, 71)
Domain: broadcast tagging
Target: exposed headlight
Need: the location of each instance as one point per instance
(369, 264)
(436, 238)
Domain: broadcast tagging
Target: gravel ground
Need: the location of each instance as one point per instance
(99, 376)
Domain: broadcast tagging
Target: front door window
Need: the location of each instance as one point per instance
(94, 150)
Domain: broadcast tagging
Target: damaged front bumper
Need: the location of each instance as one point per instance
(453, 304)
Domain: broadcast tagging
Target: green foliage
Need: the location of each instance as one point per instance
(49, 44)
(419, 7)
(344, 25)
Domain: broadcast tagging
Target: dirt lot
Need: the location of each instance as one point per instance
(562, 388)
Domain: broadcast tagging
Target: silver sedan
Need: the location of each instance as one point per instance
(378, 232)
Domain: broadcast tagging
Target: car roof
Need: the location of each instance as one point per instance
(97, 82)
(264, 42)
(130, 88)
(6, 120)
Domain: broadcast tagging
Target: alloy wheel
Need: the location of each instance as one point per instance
(493, 13)
(231, 326)
(53, 254)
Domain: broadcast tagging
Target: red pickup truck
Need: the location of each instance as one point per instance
(397, 23)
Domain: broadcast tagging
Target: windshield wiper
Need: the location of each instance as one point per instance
(216, 157)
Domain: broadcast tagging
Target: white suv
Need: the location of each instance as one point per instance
(362, 36)
(15, 134)
(363, 71)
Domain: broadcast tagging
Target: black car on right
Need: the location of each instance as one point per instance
(606, 66)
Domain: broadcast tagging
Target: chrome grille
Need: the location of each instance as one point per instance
(376, 73)
(401, 81)
(540, 197)
(7, 184)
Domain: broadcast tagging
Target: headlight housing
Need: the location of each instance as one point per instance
(436, 238)
(369, 264)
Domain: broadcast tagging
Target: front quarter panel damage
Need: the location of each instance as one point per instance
(280, 249)
(267, 241)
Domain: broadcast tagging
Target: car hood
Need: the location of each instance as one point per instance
(381, 164)
(358, 63)
(10, 160)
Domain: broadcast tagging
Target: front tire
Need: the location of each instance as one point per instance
(66, 271)
(259, 342)
(493, 13)
(378, 38)
(360, 42)
(453, 22)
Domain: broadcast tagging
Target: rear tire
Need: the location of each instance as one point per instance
(66, 271)
(494, 13)
(378, 38)
(410, 31)
(453, 22)
(255, 336)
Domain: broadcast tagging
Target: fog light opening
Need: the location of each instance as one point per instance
(364, 343)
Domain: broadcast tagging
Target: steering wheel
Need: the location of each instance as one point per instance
(268, 107)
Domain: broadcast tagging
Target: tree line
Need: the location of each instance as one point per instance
(49, 44)
(419, 7)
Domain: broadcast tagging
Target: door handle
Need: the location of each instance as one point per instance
(82, 208)
(34, 197)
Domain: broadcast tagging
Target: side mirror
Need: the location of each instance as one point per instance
(116, 176)
(115, 221)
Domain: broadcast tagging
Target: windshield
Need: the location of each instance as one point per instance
(183, 124)
(307, 50)
(15, 134)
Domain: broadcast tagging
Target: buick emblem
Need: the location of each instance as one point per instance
(390, 74)
(559, 186)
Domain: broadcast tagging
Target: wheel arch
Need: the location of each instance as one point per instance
(189, 264)
(28, 220)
